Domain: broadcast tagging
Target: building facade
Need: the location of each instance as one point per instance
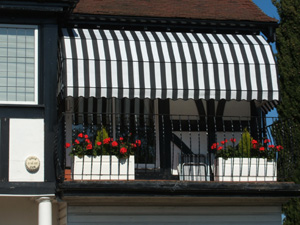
(145, 112)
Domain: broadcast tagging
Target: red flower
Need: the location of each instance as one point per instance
(220, 148)
(254, 146)
(133, 145)
(271, 146)
(254, 141)
(279, 147)
(224, 142)
(87, 141)
(214, 145)
(106, 141)
(89, 146)
(80, 135)
(138, 142)
(98, 143)
(123, 150)
(261, 148)
(121, 138)
(267, 141)
(67, 145)
(233, 140)
(114, 144)
(86, 136)
(76, 141)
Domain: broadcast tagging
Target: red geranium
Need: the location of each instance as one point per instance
(86, 136)
(224, 142)
(214, 145)
(279, 147)
(261, 148)
(123, 150)
(233, 140)
(138, 142)
(121, 138)
(271, 146)
(80, 135)
(133, 145)
(106, 141)
(87, 141)
(67, 145)
(220, 148)
(98, 143)
(267, 141)
(76, 141)
(114, 144)
(89, 147)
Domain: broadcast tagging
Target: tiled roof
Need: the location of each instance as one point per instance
(244, 10)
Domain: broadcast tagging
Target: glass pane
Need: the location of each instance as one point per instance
(11, 96)
(3, 74)
(29, 68)
(21, 45)
(21, 67)
(3, 52)
(17, 64)
(21, 52)
(12, 52)
(3, 66)
(12, 44)
(21, 83)
(12, 82)
(3, 81)
(30, 52)
(3, 44)
(21, 97)
(3, 96)
(11, 74)
(29, 82)
(11, 67)
(21, 90)
(29, 97)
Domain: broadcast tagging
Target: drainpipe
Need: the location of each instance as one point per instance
(45, 211)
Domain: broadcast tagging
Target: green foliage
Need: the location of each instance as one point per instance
(288, 47)
(245, 144)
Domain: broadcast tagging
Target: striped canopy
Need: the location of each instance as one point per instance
(166, 65)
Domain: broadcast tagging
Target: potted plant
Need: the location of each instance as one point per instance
(248, 160)
(105, 158)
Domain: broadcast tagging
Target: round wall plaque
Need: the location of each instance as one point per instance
(32, 164)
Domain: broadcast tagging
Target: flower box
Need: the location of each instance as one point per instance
(245, 169)
(105, 167)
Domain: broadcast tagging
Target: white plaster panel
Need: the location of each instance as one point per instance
(26, 138)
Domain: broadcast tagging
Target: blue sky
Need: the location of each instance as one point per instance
(267, 7)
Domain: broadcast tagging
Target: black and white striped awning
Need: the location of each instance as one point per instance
(144, 64)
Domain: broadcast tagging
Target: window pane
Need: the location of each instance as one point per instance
(17, 64)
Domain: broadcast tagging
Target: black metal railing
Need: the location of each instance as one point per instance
(177, 147)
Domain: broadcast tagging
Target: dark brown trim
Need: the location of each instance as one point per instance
(4, 148)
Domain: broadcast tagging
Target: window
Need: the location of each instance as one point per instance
(18, 64)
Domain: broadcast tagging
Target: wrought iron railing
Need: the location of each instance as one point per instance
(176, 147)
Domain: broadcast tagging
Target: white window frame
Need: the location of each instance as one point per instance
(36, 34)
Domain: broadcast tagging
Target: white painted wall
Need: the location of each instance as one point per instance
(22, 211)
(26, 138)
(242, 215)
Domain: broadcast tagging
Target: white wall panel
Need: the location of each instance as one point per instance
(26, 138)
(175, 215)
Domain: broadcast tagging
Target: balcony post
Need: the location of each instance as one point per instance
(45, 211)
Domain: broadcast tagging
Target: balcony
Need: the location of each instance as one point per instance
(175, 148)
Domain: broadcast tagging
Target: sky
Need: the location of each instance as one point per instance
(267, 7)
(270, 10)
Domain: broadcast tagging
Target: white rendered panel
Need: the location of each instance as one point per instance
(26, 138)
